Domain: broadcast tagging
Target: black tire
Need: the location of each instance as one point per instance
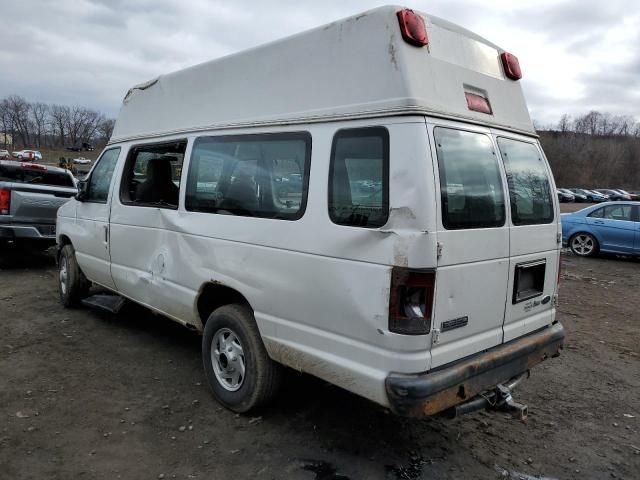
(75, 286)
(262, 376)
(583, 252)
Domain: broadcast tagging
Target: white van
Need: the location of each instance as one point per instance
(366, 202)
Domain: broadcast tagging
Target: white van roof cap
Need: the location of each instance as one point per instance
(357, 67)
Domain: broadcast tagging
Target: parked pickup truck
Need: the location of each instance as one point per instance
(30, 195)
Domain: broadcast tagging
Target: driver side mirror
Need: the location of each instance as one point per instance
(83, 190)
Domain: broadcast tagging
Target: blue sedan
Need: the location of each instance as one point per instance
(611, 227)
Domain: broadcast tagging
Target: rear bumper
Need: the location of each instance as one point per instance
(28, 232)
(430, 393)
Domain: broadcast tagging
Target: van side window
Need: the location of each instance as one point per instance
(470, 182)
(100, 179)
(263, 175)
(529, 188)
(359, 177)
(151, 175)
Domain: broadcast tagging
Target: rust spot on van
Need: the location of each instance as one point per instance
(305, 363)
(439, 390)
(392, 52)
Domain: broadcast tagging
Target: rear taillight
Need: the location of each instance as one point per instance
(511, 66)
(412, 28)
(5, 201)
(411, 301)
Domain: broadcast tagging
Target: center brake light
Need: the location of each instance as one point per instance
(34, 166)
(411, 301)
(5, 201)
(477, 103)
(412, 28)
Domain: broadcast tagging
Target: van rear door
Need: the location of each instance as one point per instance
(535, 235)
(473, 242)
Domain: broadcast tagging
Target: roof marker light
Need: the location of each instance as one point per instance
(511, 66)
(412, 28)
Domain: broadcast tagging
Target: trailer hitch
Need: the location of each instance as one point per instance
(499, 398)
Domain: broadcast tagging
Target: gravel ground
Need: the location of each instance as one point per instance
(88, 395)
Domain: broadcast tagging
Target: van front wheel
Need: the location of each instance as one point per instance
(72, 283)
(238, 368)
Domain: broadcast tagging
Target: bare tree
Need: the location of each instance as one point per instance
(105, 130)
(58, 119)
(39, 114)
(19, 110)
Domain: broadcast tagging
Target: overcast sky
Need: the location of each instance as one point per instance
(576, 56)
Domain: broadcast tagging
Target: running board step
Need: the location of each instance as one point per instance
(108, 303)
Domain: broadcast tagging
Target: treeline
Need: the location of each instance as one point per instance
(37, 125)
(596, 150)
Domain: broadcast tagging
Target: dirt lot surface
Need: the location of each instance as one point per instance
(88, 395)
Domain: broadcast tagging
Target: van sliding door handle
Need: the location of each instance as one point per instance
(106, 234)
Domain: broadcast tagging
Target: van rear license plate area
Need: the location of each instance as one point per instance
(528, 281)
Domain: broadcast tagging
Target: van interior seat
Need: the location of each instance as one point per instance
(158, 186)
(241, 194)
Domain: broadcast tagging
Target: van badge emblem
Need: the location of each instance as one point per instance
(453, 324)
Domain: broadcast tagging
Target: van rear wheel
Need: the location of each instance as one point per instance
(239, 371)
(72, 283)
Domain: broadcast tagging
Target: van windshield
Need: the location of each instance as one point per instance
(529, 187)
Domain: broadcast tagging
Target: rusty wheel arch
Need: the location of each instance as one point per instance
(213, 295)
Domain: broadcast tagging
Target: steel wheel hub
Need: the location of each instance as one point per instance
(227, 359)
(64, 275)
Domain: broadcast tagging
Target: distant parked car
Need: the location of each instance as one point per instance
(4, 154)
(613, 227)
(80, 147)
(27, 155)
(603, 196)
(82, 161)
(30, 195)
(614, 195)
(590, 195)
(632, 196)
(578, 197)
(565, 196)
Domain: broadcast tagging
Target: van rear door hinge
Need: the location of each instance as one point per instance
(559, 238)
(439, 249)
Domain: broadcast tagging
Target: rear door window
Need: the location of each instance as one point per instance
(470, 183)
(529, 187)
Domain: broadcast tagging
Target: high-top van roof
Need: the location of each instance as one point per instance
(357, 67)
